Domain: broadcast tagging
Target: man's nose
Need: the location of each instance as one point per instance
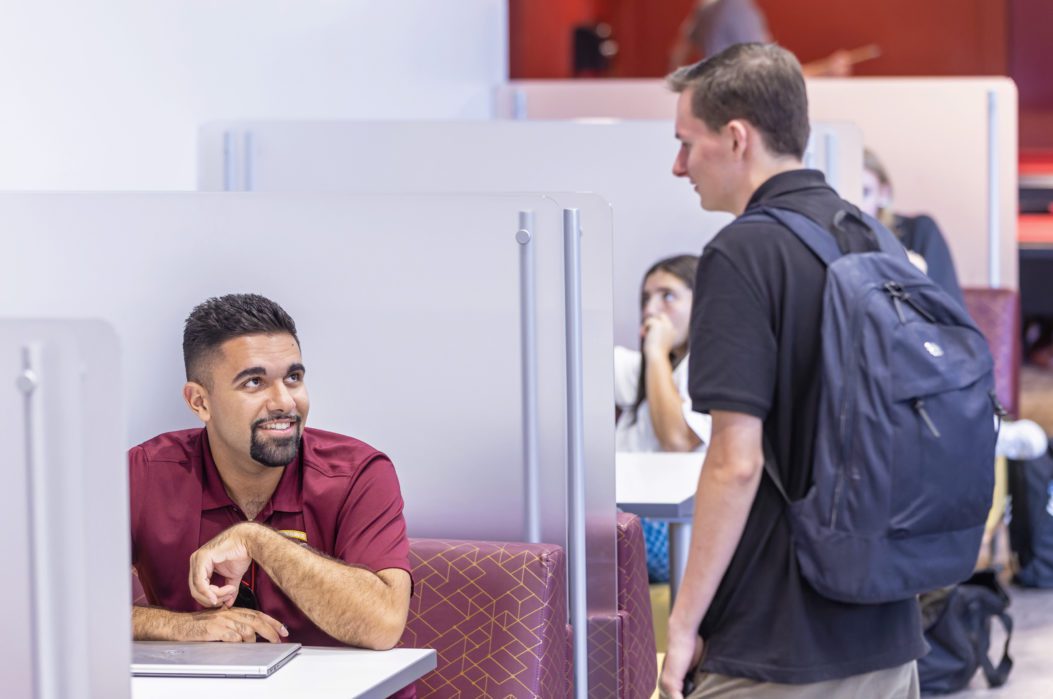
(280, 399)
(678, 166)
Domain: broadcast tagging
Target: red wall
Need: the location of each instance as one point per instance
(539, 41)
(1031, 42)
(916, 37)
(930, 37)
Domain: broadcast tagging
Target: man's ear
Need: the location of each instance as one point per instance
(196, 397)
(739, 136)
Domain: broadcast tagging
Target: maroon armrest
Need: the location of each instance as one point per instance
(997, 313)
(496, 614)
(638, 662)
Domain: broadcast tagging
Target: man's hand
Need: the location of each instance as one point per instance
(684, 654)
(658, 336)
(231, 625)
(227, 554)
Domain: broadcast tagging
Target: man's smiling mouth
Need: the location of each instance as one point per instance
(282, 425)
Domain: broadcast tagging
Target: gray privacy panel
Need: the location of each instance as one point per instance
(67, 625)
(407, 309)
(628, 163)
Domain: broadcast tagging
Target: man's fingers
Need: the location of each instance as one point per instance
(261, 627)
(225, 595)
(247, 631)
(277, 626)
(230, 636)
(201, 597)
(201, 588)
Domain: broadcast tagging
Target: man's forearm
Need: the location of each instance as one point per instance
(353, 605)
(154, 624)
(727, 486)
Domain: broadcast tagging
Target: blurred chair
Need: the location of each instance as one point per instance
(637, 663)
(997, 313)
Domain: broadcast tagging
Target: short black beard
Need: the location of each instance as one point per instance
(275, 453)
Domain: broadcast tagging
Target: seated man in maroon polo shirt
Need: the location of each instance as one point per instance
(256, 525)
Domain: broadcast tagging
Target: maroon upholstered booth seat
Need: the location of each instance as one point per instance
(496, 614)
(637, 662)
(997, 313)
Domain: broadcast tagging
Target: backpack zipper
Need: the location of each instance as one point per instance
(919, 408)
(845, 414)
(899, 295)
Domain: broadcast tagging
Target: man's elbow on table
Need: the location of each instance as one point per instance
(383, 631)
(388, 635)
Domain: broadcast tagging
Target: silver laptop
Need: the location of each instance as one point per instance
(161, 659)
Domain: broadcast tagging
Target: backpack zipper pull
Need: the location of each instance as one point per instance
(999, 410)
(895, 291)
(919, 408)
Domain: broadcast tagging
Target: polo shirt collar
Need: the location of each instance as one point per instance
(287, 497)
(788, 183)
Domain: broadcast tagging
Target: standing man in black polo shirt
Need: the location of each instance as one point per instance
(759, 628)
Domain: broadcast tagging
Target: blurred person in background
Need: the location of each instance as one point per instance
(928, 250)
(714, 25)
(650, 385)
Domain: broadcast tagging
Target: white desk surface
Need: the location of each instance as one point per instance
(658, 485)
(319, 673)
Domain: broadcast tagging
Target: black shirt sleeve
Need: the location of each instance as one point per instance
(733, 347)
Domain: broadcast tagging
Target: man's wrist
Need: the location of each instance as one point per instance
(254, 536)
(680, 628)
(156, 624)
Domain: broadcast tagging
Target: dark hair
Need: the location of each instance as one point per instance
(217, 320)
(684, 268)
(761, 83)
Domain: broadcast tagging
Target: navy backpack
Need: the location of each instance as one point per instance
(903, 471)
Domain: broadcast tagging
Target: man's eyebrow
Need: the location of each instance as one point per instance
(296, 367)
(251, 371)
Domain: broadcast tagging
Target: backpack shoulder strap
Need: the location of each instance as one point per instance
(819, 240)
(886, 239)
(996, 676)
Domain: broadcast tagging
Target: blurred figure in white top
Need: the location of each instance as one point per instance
(650, 384)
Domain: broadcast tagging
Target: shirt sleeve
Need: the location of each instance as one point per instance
(627, 364)
(136, 464)
(733, 346)
(930, 244)
(699, 423)
(371, 531)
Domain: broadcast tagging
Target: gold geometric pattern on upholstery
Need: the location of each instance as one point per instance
(637, 667)
(997, 314)
(604, 633)
(496, 615)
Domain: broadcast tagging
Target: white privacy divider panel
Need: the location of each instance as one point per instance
(65, 522)
(407, 308)
(950, 145)
(628, 163)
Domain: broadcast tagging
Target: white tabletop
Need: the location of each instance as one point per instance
(319, 673)
(658, 485)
